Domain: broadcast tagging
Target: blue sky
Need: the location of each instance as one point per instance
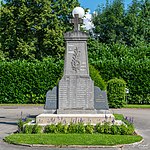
(92, 4)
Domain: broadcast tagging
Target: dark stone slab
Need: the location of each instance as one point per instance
(51, 99)
(100, 99)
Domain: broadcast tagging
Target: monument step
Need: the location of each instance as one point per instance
(76, 111)
(45, 119)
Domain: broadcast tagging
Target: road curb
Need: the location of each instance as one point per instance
(79, 146)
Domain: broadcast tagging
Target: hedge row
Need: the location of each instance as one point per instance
(132, 64)
(80, 128)
(28, 82)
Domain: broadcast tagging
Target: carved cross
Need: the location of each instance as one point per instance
(77, 21)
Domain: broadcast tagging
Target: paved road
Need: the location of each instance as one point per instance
(10, 115)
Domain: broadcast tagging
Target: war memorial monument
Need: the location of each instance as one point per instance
(75, 98)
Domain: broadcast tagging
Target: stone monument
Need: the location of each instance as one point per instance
(75, 97)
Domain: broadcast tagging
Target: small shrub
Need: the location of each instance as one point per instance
(21, 123)
(89, 129)
(65, 128)
(73, 128)
(116, 93)
(107, 128)
(100, 128)
(115, 130)
(37, 129)
(59, 127)
(47, 129)
(51, 129)
(28, 129)
(81, 128)
(130, 130)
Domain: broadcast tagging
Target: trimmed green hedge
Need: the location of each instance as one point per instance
(28, 82)
(116, 93)
(23, 82)
(96, 77)
(129, 63)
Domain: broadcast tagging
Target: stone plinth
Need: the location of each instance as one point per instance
(45, 119)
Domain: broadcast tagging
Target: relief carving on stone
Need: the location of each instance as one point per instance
(75, 63)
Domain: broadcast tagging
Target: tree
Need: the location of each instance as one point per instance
(108, 22)
(33, 29)
(132, 21)
(115, 24)
(144, 26)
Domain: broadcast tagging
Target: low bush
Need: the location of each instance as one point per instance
(65, 129)
(99, 128)
(51, 129)
(115, 130)
(103, 128)
(73, 128)
(80, 128)
(60, 128)
(89, 128)
(116, 93)
(36, 129)
(28, 129)
(21, 124)
(96, 77)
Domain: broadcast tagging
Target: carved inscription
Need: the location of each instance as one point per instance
(51, 99)
(75, 63)
(100, 99)
(54, 119)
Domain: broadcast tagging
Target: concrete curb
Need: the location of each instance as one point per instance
(79, 146)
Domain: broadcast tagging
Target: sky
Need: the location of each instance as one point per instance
(92, 4)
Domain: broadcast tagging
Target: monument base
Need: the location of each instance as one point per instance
(46, 119)
(76, 111)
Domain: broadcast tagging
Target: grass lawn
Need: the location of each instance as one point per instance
(72, 139)
(118, 116)
(126, 106)
(22, 105)
(136, 106)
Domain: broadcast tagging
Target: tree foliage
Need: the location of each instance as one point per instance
(121, 46)
(33, 29)
(116, 92)
(129, 63)
(115, 24)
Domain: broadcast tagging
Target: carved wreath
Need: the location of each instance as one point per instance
(75, 63)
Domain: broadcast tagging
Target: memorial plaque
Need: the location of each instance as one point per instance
(100, 99)
(51, 99)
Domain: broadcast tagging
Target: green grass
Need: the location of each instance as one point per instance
(137, 106)
(118, 116)
(22, 105)
(126, 106)
(72, 139)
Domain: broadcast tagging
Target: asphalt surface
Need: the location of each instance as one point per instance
(10, 115)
